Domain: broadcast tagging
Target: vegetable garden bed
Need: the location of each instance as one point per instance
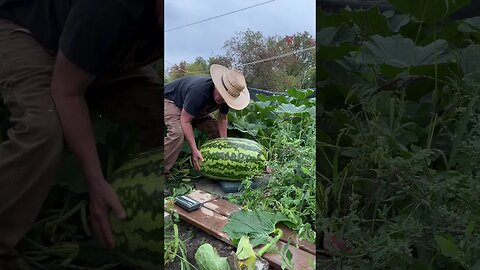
(399, 136)
(215, 214)
(285, 126)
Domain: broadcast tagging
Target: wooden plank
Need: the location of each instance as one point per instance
(223, 207)
(202, 196)
(290, 235)
(207, 220)
(302, 260)
(226, 208)
(213, 216)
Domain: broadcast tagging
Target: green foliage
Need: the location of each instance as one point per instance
(285, 125)
(429, 11)
(279, 74)
(398, 136)
(207, 258)
(256, 224)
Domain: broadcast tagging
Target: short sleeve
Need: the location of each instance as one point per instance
(94, 33)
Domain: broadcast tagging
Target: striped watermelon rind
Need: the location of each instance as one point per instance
(139, 186)
(232, 159)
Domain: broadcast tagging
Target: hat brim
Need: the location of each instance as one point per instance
(238, 103)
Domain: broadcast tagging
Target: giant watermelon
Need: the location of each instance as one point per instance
(139, 186)
(232, 159)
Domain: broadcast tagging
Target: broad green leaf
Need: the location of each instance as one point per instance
(255, 224)
(470, 25)
(246, 253)
(299, 93)
(335, 35)
(401, 52)
(369, 21)
(470, 59)
(278, 98)
(476, 266)
(447, 246)
(341, 74)
(207, 258)
(244, 249)
(287, 257)
(429, 10)
(335, 52)
(324, 20)
(396, 21)
(290, 109)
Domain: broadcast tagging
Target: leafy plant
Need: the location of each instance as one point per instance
(248, 229)
(285, 125)
(207, 258)
(396, 110)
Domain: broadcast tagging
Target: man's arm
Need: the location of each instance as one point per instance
(222, 124)
(68, 86)
(186, 122)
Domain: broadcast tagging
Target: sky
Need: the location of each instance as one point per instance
(278, 17)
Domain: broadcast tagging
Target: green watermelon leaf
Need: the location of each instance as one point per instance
(299, 94)
(469, 59)
(401, 52)
(447, 246)
(369, 21)
(245, 252)
(257, 225)
(427, 10)
(290, 109)
(334, 36)
(476, 266)
(244, 249)
(207, 258)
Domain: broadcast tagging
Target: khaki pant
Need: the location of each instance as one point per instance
(175, 137)
(29, 158)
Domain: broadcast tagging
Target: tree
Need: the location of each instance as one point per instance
(268, 62)
(284, 67)
(177, 71)
(220, 60)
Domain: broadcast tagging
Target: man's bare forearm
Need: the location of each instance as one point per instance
(222, 125)
(69, 83)
(188, 133)
(77, 129)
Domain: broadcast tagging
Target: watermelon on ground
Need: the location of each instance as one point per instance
(139, 186)
(232, 159)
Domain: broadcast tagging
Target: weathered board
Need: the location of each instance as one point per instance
(214, 214)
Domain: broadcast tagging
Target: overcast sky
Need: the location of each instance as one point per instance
(280, 17)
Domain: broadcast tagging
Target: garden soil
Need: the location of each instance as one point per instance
(194, 238)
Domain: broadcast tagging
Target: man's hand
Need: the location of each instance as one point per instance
(197, 158)
(102, 199)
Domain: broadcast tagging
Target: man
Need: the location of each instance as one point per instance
(56, 57)
(188, 103)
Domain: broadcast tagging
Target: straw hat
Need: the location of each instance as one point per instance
(231, 84)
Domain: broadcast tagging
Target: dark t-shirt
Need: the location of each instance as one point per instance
(194, 94)
(96, 35)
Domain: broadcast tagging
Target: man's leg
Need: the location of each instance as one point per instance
(132, 98)
(175, 136)
(207, 124)
(30, 156)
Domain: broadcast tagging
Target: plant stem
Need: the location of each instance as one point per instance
(265, 248)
